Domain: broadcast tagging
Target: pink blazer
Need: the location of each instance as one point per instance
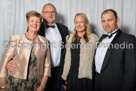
(19, 49)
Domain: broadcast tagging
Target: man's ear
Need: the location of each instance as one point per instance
(118, 20)
(42, 14)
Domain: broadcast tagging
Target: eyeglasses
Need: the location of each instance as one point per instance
(48, 12)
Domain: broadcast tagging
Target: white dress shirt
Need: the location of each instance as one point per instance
(101, 51)
(55, 40)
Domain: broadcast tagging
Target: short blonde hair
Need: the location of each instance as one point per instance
(88, 28)
(33, 13)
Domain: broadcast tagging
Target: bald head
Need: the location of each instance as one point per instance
(49, 4)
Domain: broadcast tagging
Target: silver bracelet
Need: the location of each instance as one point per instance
(2, 87)
(43, 86)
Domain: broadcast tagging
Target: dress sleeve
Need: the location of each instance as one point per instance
(47, 65)
(9, 53)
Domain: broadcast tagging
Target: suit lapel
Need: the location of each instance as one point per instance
(42, 30)
(61, 32)
(63, 41)
(62, 36)
(109, 51)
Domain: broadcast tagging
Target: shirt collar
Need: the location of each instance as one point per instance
(111, 32)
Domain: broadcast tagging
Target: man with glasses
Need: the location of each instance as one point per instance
(56, 34)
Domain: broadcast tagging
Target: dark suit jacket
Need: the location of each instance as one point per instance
(119, 64)
(64, 32)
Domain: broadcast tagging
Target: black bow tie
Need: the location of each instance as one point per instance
(106, 35)
(50, 26)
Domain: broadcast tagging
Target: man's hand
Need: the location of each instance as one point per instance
(11, 66)
(64, 86)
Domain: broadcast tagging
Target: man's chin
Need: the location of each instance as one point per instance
(108, 30)
(50, 21)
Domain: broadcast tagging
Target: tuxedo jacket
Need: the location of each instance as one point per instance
(119, 64)
(19, 50)
(63, 32)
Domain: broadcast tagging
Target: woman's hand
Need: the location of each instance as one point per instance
(3, 84)
(65, 86)
(40, 89)
(3, 89)
(43, 83)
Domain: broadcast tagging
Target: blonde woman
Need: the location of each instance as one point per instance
(77, 72)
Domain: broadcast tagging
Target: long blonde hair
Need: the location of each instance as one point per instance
(87, 30)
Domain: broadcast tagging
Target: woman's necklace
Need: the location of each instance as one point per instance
(30, 38)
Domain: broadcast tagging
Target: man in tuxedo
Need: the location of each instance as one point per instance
(56, 34)
(114, 63)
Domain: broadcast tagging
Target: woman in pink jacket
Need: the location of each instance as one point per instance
(31, 55)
